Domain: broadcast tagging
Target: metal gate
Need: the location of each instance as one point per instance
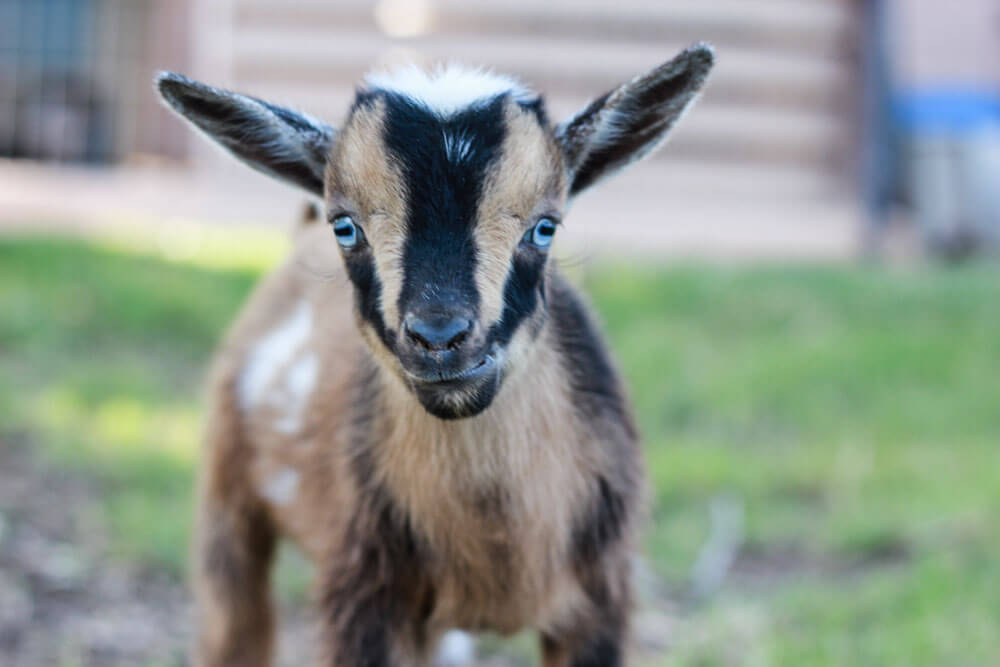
(74, 77)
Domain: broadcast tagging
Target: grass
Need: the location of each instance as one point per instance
(103, 352)
(854, 413)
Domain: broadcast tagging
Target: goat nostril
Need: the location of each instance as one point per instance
(459, 338)
(415, 337)
(437, 333)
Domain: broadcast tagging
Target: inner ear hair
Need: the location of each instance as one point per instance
(631, 121)
(283, 143)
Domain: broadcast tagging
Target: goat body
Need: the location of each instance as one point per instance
(427, 410)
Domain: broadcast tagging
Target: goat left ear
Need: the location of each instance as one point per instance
(630, 122)
(280, 142)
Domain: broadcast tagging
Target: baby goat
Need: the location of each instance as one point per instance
(446, 437)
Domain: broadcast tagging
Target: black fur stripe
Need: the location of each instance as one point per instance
(599, 398)
(597, 390)
(524, 288)
(443, 191)
(368, 292)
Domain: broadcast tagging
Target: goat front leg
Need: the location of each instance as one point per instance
(373, 599)
(232, 588)
(233, 556)
(598, 635)
(600, 647)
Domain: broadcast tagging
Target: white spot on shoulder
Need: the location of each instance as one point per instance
(456, 649)
(280, 488)
(449, 88)
(271, 353)
(293, 395)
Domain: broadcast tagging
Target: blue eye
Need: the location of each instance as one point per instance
(346, 231)
(541, 234)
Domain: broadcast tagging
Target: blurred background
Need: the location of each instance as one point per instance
(802, 288)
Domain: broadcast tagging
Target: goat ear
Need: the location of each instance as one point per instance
(630, 122)
(280, 142)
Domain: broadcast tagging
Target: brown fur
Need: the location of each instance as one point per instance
(494, 498)
(519, 517)
(368, 184)
(321, 426)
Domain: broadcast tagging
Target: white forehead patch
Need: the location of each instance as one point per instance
(449, 88)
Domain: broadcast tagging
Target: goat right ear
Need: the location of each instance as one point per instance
(280, 142)
(631, 121)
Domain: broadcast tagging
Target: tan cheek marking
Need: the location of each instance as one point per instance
(496, 239)
(364, 175)
(387, 242)
(528, 174)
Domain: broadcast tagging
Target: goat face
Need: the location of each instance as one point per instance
(444, 192)
(445, 217)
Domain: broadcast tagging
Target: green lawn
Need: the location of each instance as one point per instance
(854, 414)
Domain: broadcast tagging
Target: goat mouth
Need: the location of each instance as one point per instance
(444, 378)
(448, 394)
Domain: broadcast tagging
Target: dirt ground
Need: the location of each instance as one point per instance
(64, 602)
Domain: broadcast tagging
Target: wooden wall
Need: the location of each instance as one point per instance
(778, 119)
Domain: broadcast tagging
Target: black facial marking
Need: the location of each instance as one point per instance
(443, 191)
(537, 107)
(368, 291)
(522, 292)
(444, 162)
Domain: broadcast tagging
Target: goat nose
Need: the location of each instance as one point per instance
(437, 332)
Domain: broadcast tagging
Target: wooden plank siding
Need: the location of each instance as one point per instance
(773, 137)
(780, 109)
